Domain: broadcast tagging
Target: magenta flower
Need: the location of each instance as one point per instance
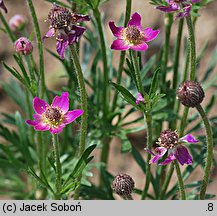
(180, 6)
(55, 117)
(2, 6)
(169, 142)
(66, 23)
(132, 37)
(139, 98)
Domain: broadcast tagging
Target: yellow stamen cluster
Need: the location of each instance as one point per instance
(52, 116)
(133, 35)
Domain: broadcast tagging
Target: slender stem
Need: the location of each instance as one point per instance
(168, 24)
(83, 94)
(180, 180)
(40, 48)
(7, 28)
(185, 76)
(137, 72)
(84, 117)
(149, 145)
(192, 47)
(209, 157)
(97, 16)
(167, 181)
(177, 54)
(123, 53)
(183, 121)
(58, 166)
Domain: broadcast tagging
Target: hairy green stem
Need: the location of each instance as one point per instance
(192, 47)
(97, 16)
(166, 181)
(209, 156)
(177, 54)
(149, 145)
(137, 72)
(84, 117)
(168, 25)
(180, 180)
(123, 53)
(58, 166)
(40, 49)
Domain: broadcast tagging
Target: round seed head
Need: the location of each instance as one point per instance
(123, 184)
(168, 139)
(190, 93)
(59, 17)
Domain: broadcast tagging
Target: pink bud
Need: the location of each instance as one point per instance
(17, 22)
(23, 46)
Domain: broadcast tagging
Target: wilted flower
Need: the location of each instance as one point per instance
(66, 23)
(139, 98)
(17, 22)
(2, 6)
(132, 37)
(53, 117)
(123, 185)
(177, 5)
(169, 142)
(23, 46)
(190, 93)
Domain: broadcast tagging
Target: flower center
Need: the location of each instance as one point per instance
(168, 139)
(59, 17)
(53, 116)
(133, 34)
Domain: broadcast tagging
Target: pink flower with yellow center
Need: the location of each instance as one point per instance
(53, 117)
(133, 36)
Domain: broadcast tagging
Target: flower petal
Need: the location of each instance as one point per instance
(185, 13)
(61, 46)
(31, 122)
(139, 47)
(161, 152)
(2, 5)
(72, 115)
(150, 34)
(39, 105)
(170, 8)
(140, 98)
(182, 155)
(57, 130)
(75, 34)
(120, 45)
(117, 31)
(42, 127)
(49, 34)
(149, 151)
(168, 160)
(189, 138)
(80, 18)
(62, 102)
(135, 21)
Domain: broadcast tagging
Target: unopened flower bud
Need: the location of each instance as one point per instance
(17, 22)
(190, 93)
(123, 185)
(23, 46)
